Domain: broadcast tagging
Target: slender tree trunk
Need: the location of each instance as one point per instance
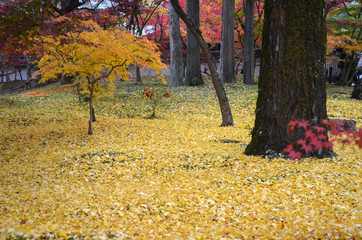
(91, 109)
(79, 93)
(138, 75)
(227, 53)
(21, 76)
(176, 61)
(28, 68)
(28, 73)
(158, 17)
(248, 65)
(292, 82)
(227, 118)
(193, 63)
(161, 30)
(7, 75)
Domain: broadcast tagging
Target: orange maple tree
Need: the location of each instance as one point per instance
(95, 56)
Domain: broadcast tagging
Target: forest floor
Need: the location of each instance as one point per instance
(171, 177)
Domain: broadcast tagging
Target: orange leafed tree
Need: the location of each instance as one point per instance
(94, 56)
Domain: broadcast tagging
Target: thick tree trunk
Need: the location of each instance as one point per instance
(193, 63)
(292, 82)
(227, 118)
(227, 53)
(248, 65)
(350, 71)
(176, 61)
(344, 71)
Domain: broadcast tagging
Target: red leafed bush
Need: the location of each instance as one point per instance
(308, 139)
(154, 96)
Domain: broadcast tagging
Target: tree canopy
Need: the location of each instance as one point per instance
(93, 55)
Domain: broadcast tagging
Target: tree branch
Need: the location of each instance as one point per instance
(114, 67)
(148, 17)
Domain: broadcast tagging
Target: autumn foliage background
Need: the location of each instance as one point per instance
(177, 176)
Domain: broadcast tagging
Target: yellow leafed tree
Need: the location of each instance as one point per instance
(93, 55)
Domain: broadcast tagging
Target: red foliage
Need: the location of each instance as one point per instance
(295, 155)
(148, 93)
(333, 4)
(345, 23)
(311, 138)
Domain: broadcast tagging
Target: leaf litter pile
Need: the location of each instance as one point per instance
(177, 176)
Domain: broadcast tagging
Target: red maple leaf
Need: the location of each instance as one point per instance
(288, 149)
(295, 155)
(316, 143)
(303, 124)
(322, 136)
(307, 148)
(319, 129)
(304, 146)
(309, 134)
(301, 142)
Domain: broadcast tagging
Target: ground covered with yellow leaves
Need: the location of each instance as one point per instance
(173, 177)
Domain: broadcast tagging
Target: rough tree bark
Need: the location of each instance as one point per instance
(227, 118)
(349, 69)
(193, 62)
(292, 82)
(248, 66)
(227, 53)
(176, 61)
